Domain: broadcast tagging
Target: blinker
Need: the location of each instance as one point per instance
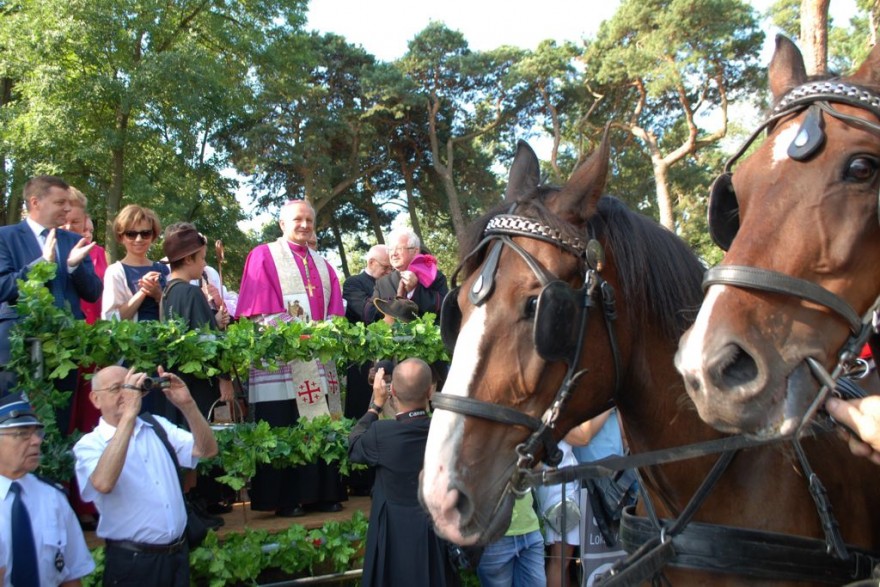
(810, 136)
(485, 281)
(595, 255)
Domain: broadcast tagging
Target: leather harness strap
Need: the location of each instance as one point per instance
(757, 554)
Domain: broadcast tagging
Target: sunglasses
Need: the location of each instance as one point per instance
(133, 234)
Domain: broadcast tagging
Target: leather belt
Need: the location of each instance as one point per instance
(176, 546)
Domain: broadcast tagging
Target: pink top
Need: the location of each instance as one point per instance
(260, 291)
(92, 310)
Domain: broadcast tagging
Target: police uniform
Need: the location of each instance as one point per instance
(62, 554)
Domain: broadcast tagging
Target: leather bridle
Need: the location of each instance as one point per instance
(594, 292)
(818, 97)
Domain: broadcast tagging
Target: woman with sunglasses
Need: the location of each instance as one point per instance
(133, 286)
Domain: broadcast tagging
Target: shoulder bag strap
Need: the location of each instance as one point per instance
(163, 436)
(165, 291)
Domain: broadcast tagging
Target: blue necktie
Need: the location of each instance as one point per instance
(24, 551)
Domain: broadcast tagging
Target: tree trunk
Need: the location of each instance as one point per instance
(114, 196)
(814, 35)
(410, 199)
(375, 221)
(16, 197)
(664, 201)
(873, 23)
(6, 212)
(337, 235)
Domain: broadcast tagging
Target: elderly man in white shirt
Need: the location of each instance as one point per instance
(124, 467)
(40, 539)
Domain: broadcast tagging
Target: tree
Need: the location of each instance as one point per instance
(105, 92)
(466, 96)
(673, 60)
(814, 35)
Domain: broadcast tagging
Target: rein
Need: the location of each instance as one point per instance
(818, 98)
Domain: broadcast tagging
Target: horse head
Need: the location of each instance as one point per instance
(515, 320)
(800, 217)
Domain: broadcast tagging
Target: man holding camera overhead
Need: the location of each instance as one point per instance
(125, 468)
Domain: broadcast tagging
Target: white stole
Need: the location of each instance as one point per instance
(313, 384)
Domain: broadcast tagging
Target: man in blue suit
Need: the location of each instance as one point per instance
(38, 237)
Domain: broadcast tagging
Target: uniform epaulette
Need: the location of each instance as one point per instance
(53, 484)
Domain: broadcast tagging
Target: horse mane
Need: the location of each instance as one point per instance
(660, 276)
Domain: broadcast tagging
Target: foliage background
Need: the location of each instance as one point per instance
(191, 106)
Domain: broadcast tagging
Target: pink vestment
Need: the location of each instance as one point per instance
(260, 291)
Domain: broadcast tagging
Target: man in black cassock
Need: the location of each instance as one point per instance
(402, 548)
(357, 291)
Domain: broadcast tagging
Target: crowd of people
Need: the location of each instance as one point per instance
(127, 483)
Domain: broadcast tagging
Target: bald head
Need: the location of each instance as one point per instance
(411, 382)
(377, 261)
(108, 376)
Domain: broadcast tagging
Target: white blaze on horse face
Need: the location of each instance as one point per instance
(689, 358)
(782, 141)
(444, 437)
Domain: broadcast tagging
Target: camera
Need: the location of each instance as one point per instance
(157, 382)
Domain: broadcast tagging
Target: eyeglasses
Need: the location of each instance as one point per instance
(401, 249)
(26, 433)
(133, 234)
(112, 390)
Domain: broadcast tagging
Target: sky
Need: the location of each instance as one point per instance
(383, 27)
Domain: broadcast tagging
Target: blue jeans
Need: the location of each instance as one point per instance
(514, 561)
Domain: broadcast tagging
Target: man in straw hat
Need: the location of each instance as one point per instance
(43, 541)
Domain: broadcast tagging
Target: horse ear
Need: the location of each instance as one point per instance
(525, 173)
(787, 68)
(869, 70)
(578, 197)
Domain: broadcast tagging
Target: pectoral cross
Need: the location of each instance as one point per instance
(308, 280)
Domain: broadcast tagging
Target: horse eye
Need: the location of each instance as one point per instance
(531, 307)
(861, 169)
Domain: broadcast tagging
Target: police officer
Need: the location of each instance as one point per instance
(43, 539)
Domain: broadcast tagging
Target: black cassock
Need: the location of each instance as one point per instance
(402, 548)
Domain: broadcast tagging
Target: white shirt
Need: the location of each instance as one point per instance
(146, 504)
(57, 534)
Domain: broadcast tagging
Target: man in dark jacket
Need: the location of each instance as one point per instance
(402, 548)
(415, 278)
(357, 291)
(39, 238)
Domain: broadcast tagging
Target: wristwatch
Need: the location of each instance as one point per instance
(375, 407)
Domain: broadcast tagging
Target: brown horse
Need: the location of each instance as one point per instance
(517, 317)
(804, 266)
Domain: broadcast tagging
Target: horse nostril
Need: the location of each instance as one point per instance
(465, 506)
(732, 368)
(694, 383)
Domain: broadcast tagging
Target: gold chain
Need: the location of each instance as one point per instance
(305, 261)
